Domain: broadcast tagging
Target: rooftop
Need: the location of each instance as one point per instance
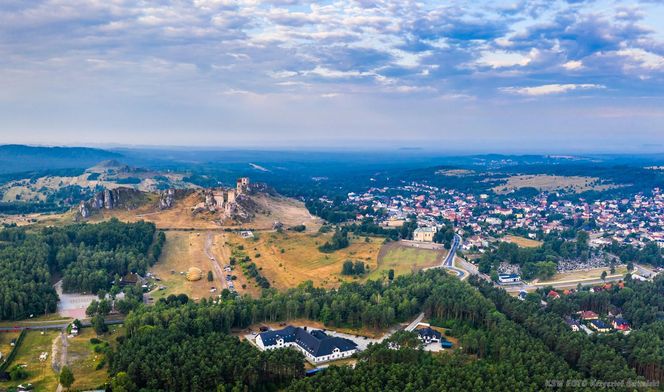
(316, 342)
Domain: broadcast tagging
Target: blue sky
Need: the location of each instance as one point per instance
(521, 75)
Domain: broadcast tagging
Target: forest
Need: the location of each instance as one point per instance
(498, 350)
(88, 257)
(540, 261)
(641, 303)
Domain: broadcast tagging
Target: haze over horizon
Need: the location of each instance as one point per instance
(508, 76)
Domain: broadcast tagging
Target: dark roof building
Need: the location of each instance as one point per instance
(600, 326)
(429, 334)
(316, 345)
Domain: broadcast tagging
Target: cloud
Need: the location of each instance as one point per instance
(216, 53)
(503, 59)
(548, 89)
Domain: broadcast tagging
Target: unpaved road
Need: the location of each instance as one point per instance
(218, 270)
(62, 351)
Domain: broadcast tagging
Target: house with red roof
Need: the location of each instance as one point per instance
(589, 315)
(620, 324)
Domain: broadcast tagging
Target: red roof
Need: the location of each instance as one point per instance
(588, 315)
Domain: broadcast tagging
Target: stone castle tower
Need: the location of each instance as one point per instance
(242, 185)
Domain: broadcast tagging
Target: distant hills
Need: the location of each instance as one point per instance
(20, 158)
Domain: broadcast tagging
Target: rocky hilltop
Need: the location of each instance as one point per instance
(128, 199)
(168, 197)
(109, 199)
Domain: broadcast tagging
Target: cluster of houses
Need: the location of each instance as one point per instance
(590, 322)
(483, 218)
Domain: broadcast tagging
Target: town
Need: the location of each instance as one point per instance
(483, 220)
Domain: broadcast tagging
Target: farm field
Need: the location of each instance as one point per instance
(404, 259)
(522, 241)
(40, 374)
(288, 259)
(545, 182)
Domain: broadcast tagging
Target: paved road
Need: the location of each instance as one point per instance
(561, 285)
(411, 327)
(449, 264)
(448, 261)
(38, 327)
(644, 271)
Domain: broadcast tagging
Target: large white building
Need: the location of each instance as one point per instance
(509, 278)
(316, 345)
(424, 234)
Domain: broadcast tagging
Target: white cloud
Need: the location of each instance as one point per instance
(548, 89)
(503, 59)
(573, 65)
(334, 74)
(643, 59)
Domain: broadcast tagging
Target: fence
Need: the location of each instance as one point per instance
(13, 353)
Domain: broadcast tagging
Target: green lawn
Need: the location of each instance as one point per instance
(40, 374)
(405, 259)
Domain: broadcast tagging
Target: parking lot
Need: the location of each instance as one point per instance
(73, 305)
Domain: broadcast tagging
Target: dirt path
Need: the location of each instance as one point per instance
(59, 354)
(218, 270)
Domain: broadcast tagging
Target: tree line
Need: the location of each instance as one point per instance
(593, 359)
(87, 256)
(190, 342)
(642, 305)
(540, 261)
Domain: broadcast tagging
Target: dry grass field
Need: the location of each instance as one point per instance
(405, 259)
(83, 360)
(38, 220)
(177, 217)
(545, 182)
(288, 259)
(182, 251)
(522, 241)
(40, 374)
(288, 211)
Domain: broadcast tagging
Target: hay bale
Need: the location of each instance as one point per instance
(194, 274)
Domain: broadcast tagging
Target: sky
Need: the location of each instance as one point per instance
(520, 75)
